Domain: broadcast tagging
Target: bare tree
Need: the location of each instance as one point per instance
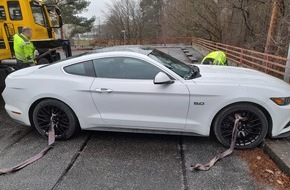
(124, 19)
(242, 23)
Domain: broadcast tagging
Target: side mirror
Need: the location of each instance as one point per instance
(162, 78)
(58, 12)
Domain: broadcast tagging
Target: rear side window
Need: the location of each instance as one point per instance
(2, 13)
(81, 69)
(14, 10)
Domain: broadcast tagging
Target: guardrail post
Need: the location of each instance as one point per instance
(287, 71)
(226, 50)
(267, 64)
(241, 57)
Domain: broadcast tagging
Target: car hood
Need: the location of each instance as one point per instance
(239, 76)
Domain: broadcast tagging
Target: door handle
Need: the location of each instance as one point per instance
(104, 90)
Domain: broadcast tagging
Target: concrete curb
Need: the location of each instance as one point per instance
(279, 151)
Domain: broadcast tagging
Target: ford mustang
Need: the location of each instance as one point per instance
(138, 89)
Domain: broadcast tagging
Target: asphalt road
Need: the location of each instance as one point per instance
(117, 161)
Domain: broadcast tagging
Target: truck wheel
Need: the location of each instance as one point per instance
(42, 61)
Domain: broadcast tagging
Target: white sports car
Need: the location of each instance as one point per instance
(137, 89)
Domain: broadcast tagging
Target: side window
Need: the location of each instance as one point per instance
(82, 69)
(2, 13)
(38, 14)
(14, 10)
(125, 68)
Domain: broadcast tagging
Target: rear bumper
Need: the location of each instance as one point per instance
(15, 105)
(17, 121)
(18, 117)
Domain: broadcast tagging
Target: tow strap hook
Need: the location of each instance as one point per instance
(207, 166)
(51, 131)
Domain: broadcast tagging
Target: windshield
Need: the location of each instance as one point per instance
(180, 68)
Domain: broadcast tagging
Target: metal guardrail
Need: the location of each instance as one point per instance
(270, 64)
(143, 41)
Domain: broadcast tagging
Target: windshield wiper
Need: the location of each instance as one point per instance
(169, 67)
(193, 73)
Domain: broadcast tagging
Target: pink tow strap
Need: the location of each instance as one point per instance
(207, 166)
(51, 140)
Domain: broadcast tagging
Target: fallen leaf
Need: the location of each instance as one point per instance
(269, 171)
(279, 182)
(271, 180)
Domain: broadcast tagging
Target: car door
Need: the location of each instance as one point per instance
(75, 86)
(126, 96)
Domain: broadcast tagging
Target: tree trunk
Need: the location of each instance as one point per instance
(272, 28)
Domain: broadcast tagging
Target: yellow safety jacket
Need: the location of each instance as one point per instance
(219, 58)
(23, 48)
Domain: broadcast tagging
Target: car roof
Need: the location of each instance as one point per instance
(128, 48)
(114, 50)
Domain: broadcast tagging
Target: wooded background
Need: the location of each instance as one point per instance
(243, 23)
(262, 25)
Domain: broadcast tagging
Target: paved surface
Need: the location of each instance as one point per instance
(175, 52)
(99, 160)
(118, 161)
(195, 54)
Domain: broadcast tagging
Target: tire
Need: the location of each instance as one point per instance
(67, 121)
(251, 132)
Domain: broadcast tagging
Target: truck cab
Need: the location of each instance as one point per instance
(41, 18)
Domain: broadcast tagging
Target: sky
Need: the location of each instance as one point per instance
(95, 9)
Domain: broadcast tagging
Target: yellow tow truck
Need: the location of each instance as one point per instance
(42, 19)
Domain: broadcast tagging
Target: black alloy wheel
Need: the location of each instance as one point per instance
(251, 131)
(65, 120)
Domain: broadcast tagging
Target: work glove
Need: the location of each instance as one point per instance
(36, 53)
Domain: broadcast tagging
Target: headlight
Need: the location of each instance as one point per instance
(281, 101)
